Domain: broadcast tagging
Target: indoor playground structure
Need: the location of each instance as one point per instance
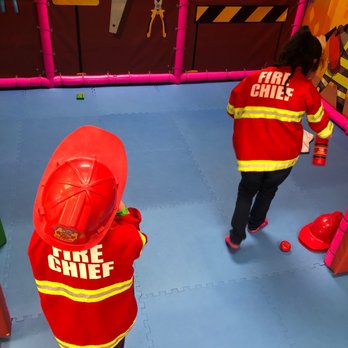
(179, 46)
(158, 74)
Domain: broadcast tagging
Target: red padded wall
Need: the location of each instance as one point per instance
(214, 45)
(20, 45)
(82, 42)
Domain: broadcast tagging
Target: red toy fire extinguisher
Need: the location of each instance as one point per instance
(320, 151)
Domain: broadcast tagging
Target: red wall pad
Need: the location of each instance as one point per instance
(5, 319)
(20, 44)
(137, 38)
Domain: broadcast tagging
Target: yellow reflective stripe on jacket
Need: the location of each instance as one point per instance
(82, 295)
(111, 344)
(230, 109)
(327, 131)
(268, 113)
(262, 166)
(143, 238)
(317, 117)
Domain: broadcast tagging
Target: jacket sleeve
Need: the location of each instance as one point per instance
(235, 93)
(317, 117)
(133, 217)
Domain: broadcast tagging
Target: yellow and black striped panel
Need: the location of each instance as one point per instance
(241, 14)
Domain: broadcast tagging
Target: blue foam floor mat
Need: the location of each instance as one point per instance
(282, 310)
(191, 290)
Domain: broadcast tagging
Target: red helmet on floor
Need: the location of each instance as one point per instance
(318, 235)
(81, 189)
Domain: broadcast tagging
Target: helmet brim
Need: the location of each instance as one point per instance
(309, 241)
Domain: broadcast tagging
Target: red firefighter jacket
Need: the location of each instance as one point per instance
(88, 296)
(267, 121)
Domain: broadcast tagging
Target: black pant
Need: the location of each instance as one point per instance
(120, 344)
(262, 184)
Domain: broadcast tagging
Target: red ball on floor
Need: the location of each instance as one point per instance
(285, 246)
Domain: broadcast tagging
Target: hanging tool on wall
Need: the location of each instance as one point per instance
(116, 13)
(157, 11)
(14, 3)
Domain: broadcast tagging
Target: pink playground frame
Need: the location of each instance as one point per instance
(177, 77)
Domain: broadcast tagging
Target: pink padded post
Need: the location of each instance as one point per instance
(24, 82)
(301, 8)
(94, 80)
(335, 116)
(180, 40)
(341, 231)
(46, 43)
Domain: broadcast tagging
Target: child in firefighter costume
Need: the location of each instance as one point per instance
(267, 108)
(85, 242)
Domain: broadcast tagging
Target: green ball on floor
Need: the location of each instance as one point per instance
(80, 96)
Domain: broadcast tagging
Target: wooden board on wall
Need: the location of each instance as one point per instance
(236, 35)
(20, 44)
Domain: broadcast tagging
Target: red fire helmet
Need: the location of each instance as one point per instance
(318, 234)
(81, 189)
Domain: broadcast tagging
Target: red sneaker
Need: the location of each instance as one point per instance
(264, 224)
(230, 244)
